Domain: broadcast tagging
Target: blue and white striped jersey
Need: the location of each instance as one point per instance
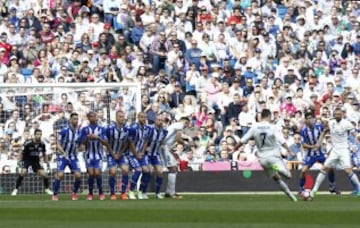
(139, 136)
(310, 136)
(69, 141)
(93, 147)
(117, 136)
(156, 139)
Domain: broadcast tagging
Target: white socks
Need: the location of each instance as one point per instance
(319, 179)
(354, 180)
(170, 188)
(286, 189)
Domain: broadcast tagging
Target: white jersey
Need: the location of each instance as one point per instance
(172, 130)
(267, 137)
(339, 132)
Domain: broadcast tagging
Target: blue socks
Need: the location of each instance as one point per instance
(99, 184)
(76, 185)
(56, 186)
(134, 179)
(158, 184)
(331, 177)
(91, 184)
(302, 183)
(145, 179)
(124, 183)
(112, 184)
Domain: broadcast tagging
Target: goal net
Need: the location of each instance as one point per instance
(26, 107)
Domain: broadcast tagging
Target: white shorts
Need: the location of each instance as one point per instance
(168, 158)
(341, 159)
(273, 165)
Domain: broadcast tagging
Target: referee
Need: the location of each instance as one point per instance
(30, 156)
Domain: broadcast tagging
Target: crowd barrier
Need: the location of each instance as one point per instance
(204, 181)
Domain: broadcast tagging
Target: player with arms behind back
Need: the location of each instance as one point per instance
(312, 137)
(340, 154)
(67, 156)
(93, 138)
(267, 137)
(156, 140)
(118, 135)
(30, 156)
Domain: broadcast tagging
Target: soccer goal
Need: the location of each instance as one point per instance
(48, 106)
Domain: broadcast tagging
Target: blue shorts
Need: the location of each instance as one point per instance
(155, 160)
(145, 160)
(72, 163)
(133, 162)
(311, 160)
(94, 163)
(123, 160)
(356, 159)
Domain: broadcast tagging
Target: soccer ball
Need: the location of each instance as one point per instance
(306, 195)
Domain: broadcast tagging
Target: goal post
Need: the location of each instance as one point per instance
(16, 96)
(48, 106)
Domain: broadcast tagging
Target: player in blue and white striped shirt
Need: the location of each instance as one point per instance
(139, 139)
(94, 138)
(312, 137)
(152, 157)
(67, 156)
(118, 138)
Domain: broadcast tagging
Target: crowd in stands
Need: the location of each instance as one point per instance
(219, 62)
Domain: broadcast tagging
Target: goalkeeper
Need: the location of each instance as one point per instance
(30, 156)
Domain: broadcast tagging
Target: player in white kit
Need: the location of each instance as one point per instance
(174, 135)
(340, 154)
(267, 136)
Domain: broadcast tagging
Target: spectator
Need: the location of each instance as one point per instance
(288, 108)
(189, 105)
(250, 150)
(73, 10)
(193, 54)
(137, 32)
(163, 102)
(211, 155)
(201, 116)
(177, 97)
(246, 119)
(159, 49)
(285, 57)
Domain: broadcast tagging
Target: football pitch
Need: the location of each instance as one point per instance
(204, 211)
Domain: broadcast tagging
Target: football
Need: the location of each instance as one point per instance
(306, 195)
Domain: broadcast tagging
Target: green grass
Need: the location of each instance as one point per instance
(210, 211)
